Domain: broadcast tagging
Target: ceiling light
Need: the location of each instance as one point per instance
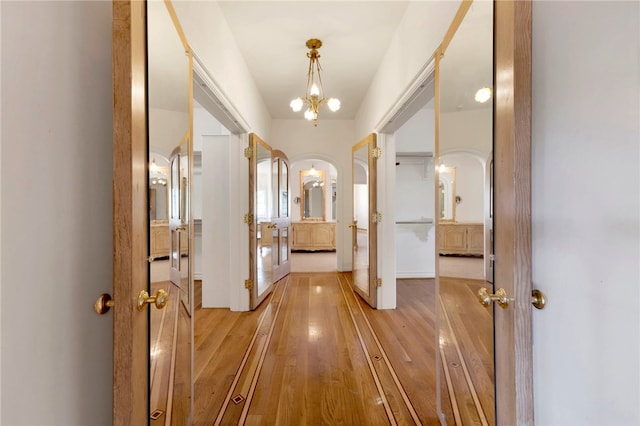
(314, 95)
(483, 95)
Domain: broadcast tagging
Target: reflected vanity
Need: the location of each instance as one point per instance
(313, 232)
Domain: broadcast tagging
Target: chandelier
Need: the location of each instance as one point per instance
(314, 96)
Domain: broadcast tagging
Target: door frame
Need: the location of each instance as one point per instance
(130, 220)
(512, 210)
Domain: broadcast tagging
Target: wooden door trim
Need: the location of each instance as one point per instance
(254, 298)
(512, 210)
(130, 213)
(370, 141)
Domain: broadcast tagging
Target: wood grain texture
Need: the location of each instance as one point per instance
(512, 224)
(130, 214)
(314, 361)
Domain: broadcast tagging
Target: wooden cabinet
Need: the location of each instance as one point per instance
(159, 244)
(159, 235)
(461, 238)
(314, 236)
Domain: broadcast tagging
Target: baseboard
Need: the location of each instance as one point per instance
(423, 274)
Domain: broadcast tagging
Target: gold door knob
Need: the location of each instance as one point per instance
(485, 298)
(103, 304)
(538, 299)
(160, 299)
(353, 225)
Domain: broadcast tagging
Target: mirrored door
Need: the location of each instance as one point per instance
(261, 228)
(170, 170)
(365, 219)
(281, 219)
(464, 144)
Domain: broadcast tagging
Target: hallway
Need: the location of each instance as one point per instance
(314, 353)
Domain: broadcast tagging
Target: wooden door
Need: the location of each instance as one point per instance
(131, 375)
(260, 226)
(512, 211)
(281, 219)
(365, 220)
(130, 221)
(509, 198)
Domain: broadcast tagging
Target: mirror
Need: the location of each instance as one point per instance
(169, 153)
(364, 225)
(312, 184)
(447, 193)
(263, 205)
(465, 144)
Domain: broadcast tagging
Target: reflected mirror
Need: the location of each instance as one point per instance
(364, 227)
(447, 193)
(263, 205)
(169, 145)
(312, 184)
(465, 144)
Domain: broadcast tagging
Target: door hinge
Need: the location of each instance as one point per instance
(248, 218)
(248, 284)
(248, 152)
(492, 258)
(376, 217)
(378, 282)
(376, 153)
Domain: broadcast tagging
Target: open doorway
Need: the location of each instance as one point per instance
(313, 216)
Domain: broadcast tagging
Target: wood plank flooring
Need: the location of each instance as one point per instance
(314, 353)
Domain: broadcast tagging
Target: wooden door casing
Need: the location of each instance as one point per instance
(130, 214)
(512, 211)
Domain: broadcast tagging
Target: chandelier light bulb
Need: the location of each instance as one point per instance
(314, 94)
(296, 104)
(308, 114)
(314, 91)
(483, 95)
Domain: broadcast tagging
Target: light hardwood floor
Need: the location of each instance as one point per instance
(314, 353)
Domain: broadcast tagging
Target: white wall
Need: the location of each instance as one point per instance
(56, 212)
(211, 39)
(169, 127)
(215, 222)
(586, 230)
(470, 130)
(330, 141)
(414, 198)
(419, 34)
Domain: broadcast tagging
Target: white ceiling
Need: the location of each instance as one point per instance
(272, 36)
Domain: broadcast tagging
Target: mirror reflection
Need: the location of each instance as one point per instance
(360, 225)
(170, 149)
(447, 193)
(312, 190)
(464, 242)
(263, 208)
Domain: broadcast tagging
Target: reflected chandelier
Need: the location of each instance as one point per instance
(314, 97)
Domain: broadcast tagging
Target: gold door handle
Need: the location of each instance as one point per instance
(272, 226)
(181, 228)
(485, 298)
(538, 299)
(353, 225)
(103, 304)
(160, 299)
